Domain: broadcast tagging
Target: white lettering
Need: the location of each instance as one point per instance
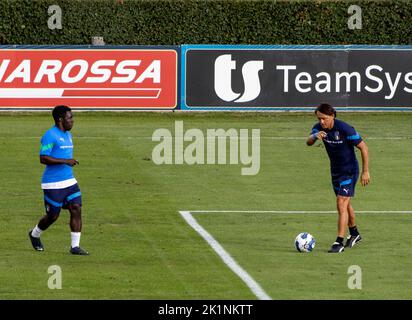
(392, 85)
(163, 152)
(194, 153)
(22, 71)
(104, 73)
(48, 68)
(408, 80)
(3, 67)
(55, 20)
(348, 77)
(55, 280)
(373, 78)
(285, 69)
(80, 74)
(355, 280)
(151, 72)
(179, 142)
(254, 159)
(122, 69)
(355, 20)
(307, 79)
(325, 83)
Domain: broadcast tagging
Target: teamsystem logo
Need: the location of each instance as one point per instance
(283, 78)
(223, 79)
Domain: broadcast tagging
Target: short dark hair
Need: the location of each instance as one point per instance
(326, 109)
(60, 112)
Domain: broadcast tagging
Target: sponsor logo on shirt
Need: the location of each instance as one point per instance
(333, 142)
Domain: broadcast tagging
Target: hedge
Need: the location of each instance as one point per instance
(167, 22)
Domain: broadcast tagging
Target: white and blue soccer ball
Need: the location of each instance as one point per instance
(305, 242)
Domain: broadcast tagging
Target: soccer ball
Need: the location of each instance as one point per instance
(305, 242)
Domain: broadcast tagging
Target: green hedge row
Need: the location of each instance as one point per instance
(171, 22)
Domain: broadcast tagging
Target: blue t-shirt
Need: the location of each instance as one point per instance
(339, 144)
(57, 144)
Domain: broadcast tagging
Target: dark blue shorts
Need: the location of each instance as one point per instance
(56, 199)
(344, 184)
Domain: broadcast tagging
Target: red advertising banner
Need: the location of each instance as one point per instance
(87, 78)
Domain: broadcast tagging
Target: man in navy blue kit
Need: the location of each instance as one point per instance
(340, 139)
(59, 186)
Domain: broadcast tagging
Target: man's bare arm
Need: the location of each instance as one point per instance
(47, 160)
(365, 176)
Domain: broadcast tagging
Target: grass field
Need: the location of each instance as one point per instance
(142, 248)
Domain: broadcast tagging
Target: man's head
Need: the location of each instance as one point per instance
(326, 115)
(63, 117)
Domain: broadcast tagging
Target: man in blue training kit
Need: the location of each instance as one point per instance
(59, 186)
(339, 139)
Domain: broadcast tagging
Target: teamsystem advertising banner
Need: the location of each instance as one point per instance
(211, 77)
(296, 77)
(114, 78)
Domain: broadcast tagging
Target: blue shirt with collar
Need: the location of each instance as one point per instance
(339, 143)
(57, 144)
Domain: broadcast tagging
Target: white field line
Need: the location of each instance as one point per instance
(240, 138)
(225, 256)
(295, 212)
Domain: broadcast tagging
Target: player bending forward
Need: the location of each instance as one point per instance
(340, 139)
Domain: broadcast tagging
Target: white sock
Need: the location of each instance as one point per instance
(75, 239)
(36, 232)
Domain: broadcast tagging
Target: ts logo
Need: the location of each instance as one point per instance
(223, 79)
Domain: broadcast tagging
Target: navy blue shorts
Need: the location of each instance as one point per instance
(344, 184)
(56, 199)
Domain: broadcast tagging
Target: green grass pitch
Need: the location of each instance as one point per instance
(142, 248)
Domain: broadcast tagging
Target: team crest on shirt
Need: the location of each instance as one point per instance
(336, 135)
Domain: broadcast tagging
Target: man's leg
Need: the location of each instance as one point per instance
(342, 204)
(343, 218)
(47, 220)
(75, 217)
(351, 216)
(76, 228)
(354, 236)
(52, 214)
